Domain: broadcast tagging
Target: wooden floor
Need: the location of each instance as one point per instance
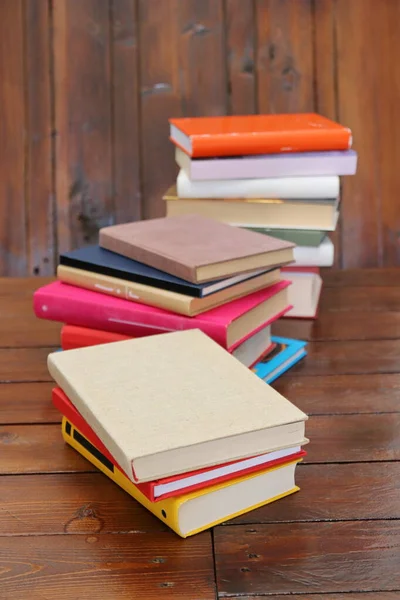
(67, 532)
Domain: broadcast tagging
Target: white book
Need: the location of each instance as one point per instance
(274, 187)
(314, 256)
(304, 294)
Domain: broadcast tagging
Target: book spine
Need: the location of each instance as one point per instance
(166, 511)
(125, 318)
(271, 143)
(65, 407)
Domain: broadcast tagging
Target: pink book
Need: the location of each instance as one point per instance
(229, 325)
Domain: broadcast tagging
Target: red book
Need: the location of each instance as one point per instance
(73, 336)
(258, 134)
(187, 482)
(79, 337)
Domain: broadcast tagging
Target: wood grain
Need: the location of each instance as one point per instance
(361, 299)
(84, 503)
(68, 531)
(337, 325)
(91, 503)
(82, 117)
(387, 90)
(103, 77)
(336, 492)
(24, 364)
(346, 358)
(325, 81)
(27, 403)
(107, 566)
(125, 111)
(284, 56)
(333, 439)
(361, 199)
(342, 394)
(18, 287)
(39, 184)
(240, 56)
(299, 557)
(349, 438)
(19, 328)
(203, 90)
(364, 277)
(159, 99)
(38, 449)
(351, 596)
(13, 258)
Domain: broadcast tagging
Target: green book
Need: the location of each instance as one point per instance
(299, 237)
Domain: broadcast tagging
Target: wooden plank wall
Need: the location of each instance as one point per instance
(87, 87)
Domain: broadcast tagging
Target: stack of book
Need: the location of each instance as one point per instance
(274, 174)
(186, 429)
(172, 274)
(170, 410)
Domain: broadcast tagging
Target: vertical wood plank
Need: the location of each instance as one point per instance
(13, 259)
(126, 128)
(159, 98)
(240, 56)
(284, 56)
(202, 67)
(83, 117)
(358, 87)
(39, 193)
(325, 80)
(387, 94)
(183, 72)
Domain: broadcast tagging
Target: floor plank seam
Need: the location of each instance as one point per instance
(306, 594)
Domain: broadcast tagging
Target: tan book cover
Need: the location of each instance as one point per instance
(273, 213)
(146, 294)
(171, 403)
(195, 248)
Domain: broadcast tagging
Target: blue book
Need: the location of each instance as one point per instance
(287, 353)
(105, 262)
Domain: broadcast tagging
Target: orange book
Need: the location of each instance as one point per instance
(258, 134)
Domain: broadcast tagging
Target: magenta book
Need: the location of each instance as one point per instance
(76, 306)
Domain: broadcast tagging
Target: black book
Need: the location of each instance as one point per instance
(104, 262)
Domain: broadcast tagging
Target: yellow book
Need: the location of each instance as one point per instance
(199, 510)
(153, 296)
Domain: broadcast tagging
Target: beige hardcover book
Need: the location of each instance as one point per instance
(171, 403)
(273, 213)
(146, 294)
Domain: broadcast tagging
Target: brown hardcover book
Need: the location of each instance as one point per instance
(195, 248)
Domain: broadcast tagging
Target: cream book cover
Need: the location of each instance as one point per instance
(170, 403)
(146, 294)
